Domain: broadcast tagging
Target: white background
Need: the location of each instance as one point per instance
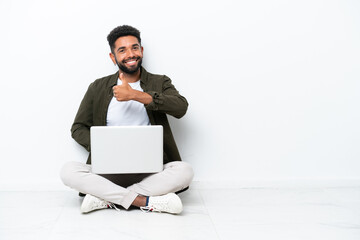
(273, 86)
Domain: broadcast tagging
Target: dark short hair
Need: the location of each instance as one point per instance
(120, 31)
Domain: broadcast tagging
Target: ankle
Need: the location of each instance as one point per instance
(140, 201)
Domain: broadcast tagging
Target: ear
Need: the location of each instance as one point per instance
(112, 58)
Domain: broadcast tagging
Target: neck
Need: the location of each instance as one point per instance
(134, 77)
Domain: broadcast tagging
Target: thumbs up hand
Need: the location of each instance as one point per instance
(123, 92)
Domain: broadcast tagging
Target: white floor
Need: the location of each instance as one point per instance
(284, 213)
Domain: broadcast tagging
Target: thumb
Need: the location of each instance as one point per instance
(122, 78)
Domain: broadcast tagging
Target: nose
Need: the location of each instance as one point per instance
(130, 54)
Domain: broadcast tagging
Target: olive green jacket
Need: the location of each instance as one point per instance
(166, 100)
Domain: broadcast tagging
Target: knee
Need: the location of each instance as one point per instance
(68, 172)
(65, 172)
(185, 173)
(188, 173)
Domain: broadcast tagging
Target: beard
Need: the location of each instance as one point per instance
(131, 70)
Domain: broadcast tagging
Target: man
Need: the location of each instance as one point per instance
(132, 96)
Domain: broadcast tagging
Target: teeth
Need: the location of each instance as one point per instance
(131, 63)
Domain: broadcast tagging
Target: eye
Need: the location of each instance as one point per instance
(121, 50)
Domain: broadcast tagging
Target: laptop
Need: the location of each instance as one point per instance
(126, 149)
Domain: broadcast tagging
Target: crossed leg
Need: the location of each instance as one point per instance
(175, 176)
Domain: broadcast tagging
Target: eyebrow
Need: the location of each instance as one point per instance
(120, 48)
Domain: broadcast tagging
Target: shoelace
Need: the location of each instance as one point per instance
(113, 206)
(161, 205)
(101, 203)
(146, 209)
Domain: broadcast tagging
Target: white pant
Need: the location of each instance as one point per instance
(175, 177)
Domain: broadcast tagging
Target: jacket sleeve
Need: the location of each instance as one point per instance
(168, 100)
(80, 130)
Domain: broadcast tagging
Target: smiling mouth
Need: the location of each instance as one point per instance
(131, 62)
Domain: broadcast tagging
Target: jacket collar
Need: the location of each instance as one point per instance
(143, 76)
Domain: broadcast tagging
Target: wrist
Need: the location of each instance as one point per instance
(142, 97)
(133, 95)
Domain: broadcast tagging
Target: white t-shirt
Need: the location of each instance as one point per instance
(127, 113)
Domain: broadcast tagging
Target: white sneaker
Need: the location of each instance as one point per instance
(169, 203)
(91, 203)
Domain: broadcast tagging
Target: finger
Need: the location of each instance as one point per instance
(122, 78)
(114, 90)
